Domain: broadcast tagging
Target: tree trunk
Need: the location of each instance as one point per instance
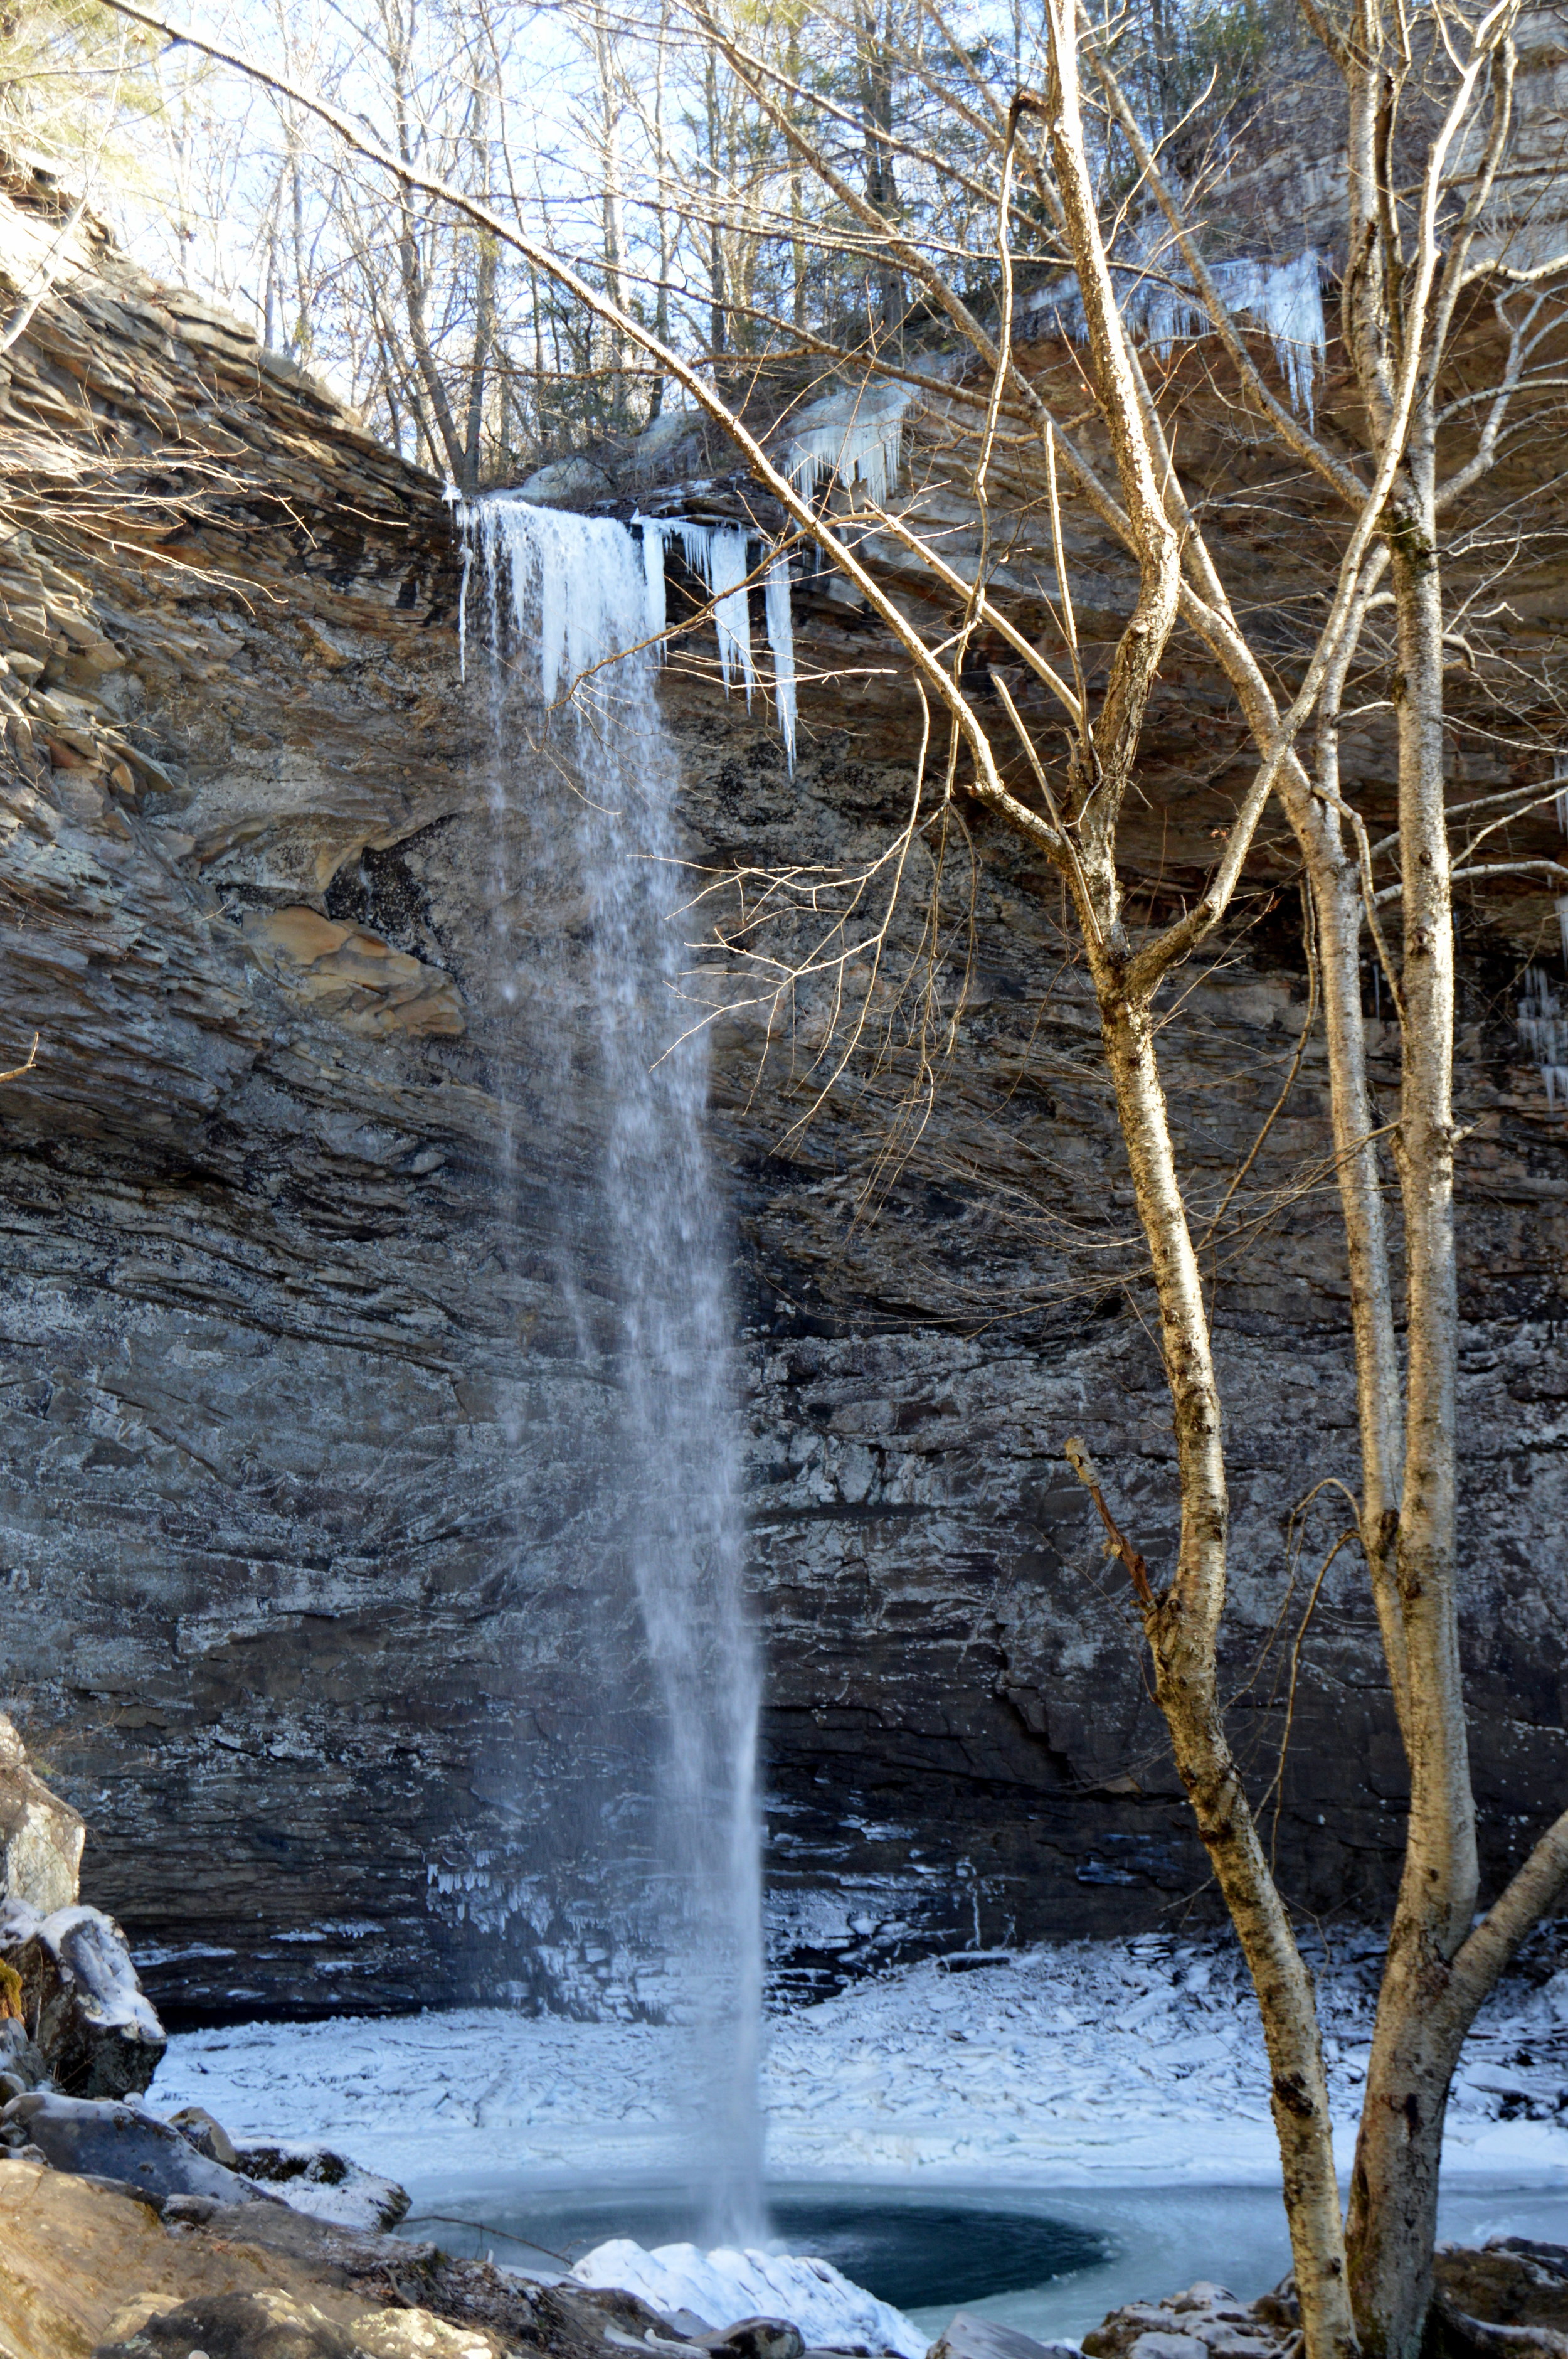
(1182, 1627)
(611, 207)
(1332, 866)
(876, 118)
(1393, 2212)
(717, 333)
(413, 276)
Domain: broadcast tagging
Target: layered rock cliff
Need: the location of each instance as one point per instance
(300, 1521)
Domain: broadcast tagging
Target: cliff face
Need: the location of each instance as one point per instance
(299, 1522)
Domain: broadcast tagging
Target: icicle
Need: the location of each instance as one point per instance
(856, 434)
(696, 546)
(1284, 298)
(1563, 922)
(781, 646)
(575, 582)
(461, 515)
(653, 579)
(716, 555)
(1543, 1027)
(731, 611)
(1559, 771)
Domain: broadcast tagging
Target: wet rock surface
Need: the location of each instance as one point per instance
(1512, 2294)
(108, 2141)
(299, 1437)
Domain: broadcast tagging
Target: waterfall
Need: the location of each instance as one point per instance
(586, 776)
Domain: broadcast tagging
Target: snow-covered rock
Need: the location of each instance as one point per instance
(1205, 2322)
(972, 2337)
(81, 1999)
(329, 2186)
(22, 2065)
(40, 1837)
(206, 2136)
(99, 2140)
(726, 2286)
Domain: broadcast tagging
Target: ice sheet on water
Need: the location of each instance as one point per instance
(726, 2286)
(1036, 2064)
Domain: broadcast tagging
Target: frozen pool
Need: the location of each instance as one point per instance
(1052, 2261)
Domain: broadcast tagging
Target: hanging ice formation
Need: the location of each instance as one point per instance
(1284, 298)
(1543, 1018)
(1543, 1029)
(717, 554)
(855, 435)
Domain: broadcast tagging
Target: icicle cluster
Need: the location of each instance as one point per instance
(575, 571)
(1284, 298)
(856, 436)
(716, 555)
(1541, 1018)
(1543, 1029)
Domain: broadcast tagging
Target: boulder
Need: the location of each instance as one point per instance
(280, 2325)
(969, 2337)
(208, 2137)
(40, 1837)
(120, 2143)
(753, 2338)
(1508, 2301)
(1205, 2322)
(22, 2065)
(83, 2269)
(80, 2000)
(238, 2326)
(330, 2187)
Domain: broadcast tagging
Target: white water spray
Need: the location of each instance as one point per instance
(573, 601)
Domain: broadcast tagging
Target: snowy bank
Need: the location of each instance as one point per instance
(1112, 2061)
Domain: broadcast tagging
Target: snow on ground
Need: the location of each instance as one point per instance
(1110, 2062)
(724, 2285)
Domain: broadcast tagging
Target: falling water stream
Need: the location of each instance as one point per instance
(567, 607)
